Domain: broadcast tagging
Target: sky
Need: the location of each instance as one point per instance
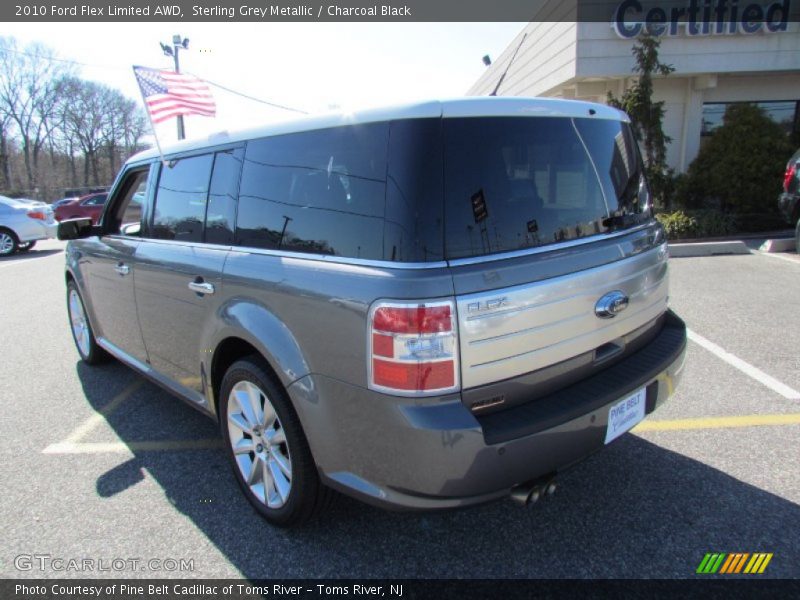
(314, 67)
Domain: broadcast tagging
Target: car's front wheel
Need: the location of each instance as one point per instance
(82, 333)
(266, 444)
(8, 242)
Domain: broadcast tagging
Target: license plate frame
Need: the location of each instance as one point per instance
(626, 414)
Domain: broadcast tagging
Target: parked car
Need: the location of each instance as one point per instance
(426, 307)
(63, 201)
(90, 206)
(31, 202)
(22, 225)
(789, 200)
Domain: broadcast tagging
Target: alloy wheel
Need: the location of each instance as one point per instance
(259, 444)
(80, 326)
(6, 244)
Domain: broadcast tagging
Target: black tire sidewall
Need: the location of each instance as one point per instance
(305, 483)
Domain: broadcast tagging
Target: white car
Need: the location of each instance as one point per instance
(23, 224)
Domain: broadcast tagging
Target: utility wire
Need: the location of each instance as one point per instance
(254, 99)
(222, 87)
(61, 60)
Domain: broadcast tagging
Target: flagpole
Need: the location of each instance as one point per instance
(149, 117)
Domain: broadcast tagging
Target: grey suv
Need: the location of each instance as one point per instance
(423, 307)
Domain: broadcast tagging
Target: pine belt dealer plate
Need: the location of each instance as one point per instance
(625, 414)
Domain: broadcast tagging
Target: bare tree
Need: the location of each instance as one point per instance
(83, 110)
(5, 134)
(29, 95)
(123, 127)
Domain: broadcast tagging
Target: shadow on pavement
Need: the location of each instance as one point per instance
(633, 510)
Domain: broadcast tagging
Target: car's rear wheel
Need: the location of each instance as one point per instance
(82, 333)
(26, 246)
(8, 242)
(266, 444)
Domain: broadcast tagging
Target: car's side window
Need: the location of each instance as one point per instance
(126, 215)
(221, 213)
(180, 205)
(321, 192)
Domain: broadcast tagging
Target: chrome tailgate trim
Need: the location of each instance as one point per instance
(508, 332)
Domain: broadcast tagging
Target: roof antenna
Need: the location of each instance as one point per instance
(503, 76)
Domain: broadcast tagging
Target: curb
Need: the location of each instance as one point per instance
(708, 249)
(782, 245)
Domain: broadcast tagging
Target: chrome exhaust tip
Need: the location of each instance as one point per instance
(528, 494)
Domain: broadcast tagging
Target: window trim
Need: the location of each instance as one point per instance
(114, 197)
(150, 224)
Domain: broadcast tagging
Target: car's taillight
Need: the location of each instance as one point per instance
(791, 171)
(37, 214)
(413, 348)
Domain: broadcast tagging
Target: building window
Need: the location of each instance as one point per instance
(784, 113)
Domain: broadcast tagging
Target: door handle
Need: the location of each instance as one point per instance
(122, 269)
(201, 287)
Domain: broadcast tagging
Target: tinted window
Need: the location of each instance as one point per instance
(180, 205)
(514, 183)
(414, 212)
(321, 192)
(98, 200)
(616, 156)
(221, 215)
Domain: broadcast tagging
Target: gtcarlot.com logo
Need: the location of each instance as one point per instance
(734, 563)
(48, 562)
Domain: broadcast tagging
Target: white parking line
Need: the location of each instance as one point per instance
(26, 261)
(792, 258)
(745, 367)
(73, 440)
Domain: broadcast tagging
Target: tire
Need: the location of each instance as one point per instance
(267, 445)
(27, 246)
(8, 242)
(81, 328)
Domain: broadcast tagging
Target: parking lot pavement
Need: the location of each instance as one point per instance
(98, 463)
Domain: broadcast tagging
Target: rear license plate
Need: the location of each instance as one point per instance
(625, 414)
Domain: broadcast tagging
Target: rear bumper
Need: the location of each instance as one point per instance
(400, 453)
(32, 230)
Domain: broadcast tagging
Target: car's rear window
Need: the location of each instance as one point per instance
(516, 183)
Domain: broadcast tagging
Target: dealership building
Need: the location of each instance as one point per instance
(720, 57)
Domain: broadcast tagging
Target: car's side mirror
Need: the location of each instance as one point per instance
(132, 229)
(75, 229)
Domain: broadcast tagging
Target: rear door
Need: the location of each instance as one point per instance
(180, 261)
(544, 217)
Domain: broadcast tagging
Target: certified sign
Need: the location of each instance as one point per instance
(700, 17)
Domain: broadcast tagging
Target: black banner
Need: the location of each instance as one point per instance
(710, 16)
(407, 589)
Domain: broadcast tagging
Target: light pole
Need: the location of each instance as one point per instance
(177, 44)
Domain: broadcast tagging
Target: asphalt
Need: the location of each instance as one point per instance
(98, 463)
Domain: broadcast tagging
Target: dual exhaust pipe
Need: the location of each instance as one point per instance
(528, 494)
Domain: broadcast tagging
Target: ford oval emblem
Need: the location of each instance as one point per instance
(611, 304)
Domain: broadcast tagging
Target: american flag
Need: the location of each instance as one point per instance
(168, 94)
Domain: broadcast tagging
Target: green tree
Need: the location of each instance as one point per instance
(647, 116)
(740, 168)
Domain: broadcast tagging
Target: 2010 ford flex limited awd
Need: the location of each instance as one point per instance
(424, 307)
